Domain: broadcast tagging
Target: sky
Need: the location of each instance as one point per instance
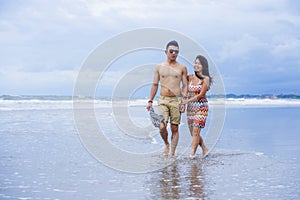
(254, 44)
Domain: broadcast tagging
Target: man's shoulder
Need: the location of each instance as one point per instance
(182, 65)
(178, 64)
(162, 64)
(166, 64)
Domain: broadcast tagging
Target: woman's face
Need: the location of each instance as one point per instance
(197, 66)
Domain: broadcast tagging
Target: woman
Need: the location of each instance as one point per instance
(197, 105)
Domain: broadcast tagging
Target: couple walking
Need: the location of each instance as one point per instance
(174, 100)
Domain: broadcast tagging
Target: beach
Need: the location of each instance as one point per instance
(257, 155)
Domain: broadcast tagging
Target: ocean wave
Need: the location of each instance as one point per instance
(60, 103)
(254, 102)
(35, 97)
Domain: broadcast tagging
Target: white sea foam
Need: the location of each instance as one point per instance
(235, 102)
(254, 102)
(7, 105)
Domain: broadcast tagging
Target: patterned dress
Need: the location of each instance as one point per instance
(197, 111)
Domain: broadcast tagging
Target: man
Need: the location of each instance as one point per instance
(170, 74)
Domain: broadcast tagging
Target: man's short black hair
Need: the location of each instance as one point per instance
(172, 43)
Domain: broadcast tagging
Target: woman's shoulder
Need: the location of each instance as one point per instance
(206, 79)
(189, 77)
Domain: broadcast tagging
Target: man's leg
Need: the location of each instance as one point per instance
(164, 110)
(175, 117)
(164, 135)
(174, 139)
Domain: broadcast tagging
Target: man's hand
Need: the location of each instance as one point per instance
(149, 106)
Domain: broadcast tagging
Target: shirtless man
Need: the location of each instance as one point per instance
(170, 74)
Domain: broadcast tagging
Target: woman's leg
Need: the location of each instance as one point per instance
(195, 140)
(202, 145)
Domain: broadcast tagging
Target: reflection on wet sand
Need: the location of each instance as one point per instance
(196, 180)
(183, 179)
(170, 183)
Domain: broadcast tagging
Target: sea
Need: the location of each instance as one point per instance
(58, 147)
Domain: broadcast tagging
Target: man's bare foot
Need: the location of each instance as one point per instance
(192, 156)
(204, 151)
(166, 150)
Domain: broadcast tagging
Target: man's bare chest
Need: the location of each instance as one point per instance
(168, 72)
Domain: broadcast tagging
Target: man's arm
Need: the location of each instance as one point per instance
(154, 87)
(184, 88)
(184, 83)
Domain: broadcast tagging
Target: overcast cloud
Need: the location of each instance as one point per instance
(255, 44)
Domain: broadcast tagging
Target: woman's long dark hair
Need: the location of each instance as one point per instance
(205, 70)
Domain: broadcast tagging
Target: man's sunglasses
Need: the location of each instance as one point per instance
(173, 51)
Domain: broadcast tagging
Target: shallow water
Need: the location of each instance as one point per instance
(257, 157)
(226, 175)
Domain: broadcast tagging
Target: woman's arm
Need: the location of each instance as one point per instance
(202, 93)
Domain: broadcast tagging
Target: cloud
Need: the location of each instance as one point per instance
(240, 49)
(241, 37)
(287, 48)
(16, 81)
(249, 49)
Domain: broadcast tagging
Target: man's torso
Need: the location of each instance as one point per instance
(170, 78)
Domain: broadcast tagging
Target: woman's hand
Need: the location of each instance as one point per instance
(182, 108)
(184, 101)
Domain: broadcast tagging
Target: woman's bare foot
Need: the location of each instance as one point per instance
(204, 151)
(166, 150)
(192, 156)
(172, 155)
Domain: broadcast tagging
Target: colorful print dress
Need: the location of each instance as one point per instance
(197, 111)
